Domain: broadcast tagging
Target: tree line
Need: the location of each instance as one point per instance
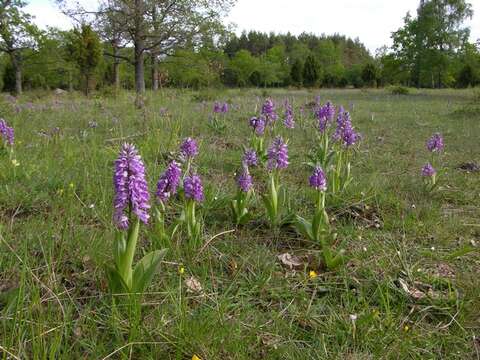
(139, 44)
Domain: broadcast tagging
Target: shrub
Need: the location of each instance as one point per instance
(206, 95)
(399, 90)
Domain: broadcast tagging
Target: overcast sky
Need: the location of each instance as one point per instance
(370, 20)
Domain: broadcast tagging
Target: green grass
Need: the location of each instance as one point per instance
(57, 234)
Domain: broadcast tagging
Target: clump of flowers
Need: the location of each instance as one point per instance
(193, 193)
(189, 148)
(289, 121)
(131, 207)
(332, 151)
(250, 158)
(220, 108)
(269, 111)
(258, 125)
(7, 133)
(244, 180)
(435, 143)
(318, 229)
(277, 154)
(435, 146)
(277, 159)
(167, 186)
(428, 170)
(325, 115)
(345, 133)
(318, 180)
(224, 109)
(168, 183)
(215, 122)
(257, 141)
(193, 188)
(189, 190)
(131, 190)
(346, 136)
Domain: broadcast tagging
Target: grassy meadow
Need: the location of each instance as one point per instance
(411, 289)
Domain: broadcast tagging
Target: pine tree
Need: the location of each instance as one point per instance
(87, 52)
(369, 74)
(296, 73)
(310, 71)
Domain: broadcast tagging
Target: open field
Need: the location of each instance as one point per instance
(411, 288)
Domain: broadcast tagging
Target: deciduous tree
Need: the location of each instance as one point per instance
(17, 34)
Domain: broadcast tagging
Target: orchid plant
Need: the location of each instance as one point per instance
(239, 204)
(318, 229)
(435, 145)
(192, 192)
(167, 187)
(345, 137)
(333, 152)
(257, 141)
(215, 123)
(131, 208)
(277, 156)
(7, 136)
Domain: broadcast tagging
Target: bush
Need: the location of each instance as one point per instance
(466, 77)
(206, 95)
(369, 74)
(476, 95)
(399, 90)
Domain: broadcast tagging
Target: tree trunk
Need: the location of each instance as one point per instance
(116, 67)
(70, 81)
(87, 85)
(153, 55)
(17, 67)
(139, 74)
(154, 72)
(139, 43)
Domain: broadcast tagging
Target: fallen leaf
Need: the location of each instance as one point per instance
(443, 270)
(270, 340)
(469, 167)
(290, 261)
(193, 285)
(412, 291)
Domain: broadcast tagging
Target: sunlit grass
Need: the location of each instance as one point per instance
(57, 234)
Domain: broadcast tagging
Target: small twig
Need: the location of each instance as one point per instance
(131, 344)
(212, 238)
(45, 333)
(34, 276)
(124, 137)
(9, 353)
(451, 322)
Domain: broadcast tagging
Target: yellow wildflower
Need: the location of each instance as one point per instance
(15, 162)
(195, 357)
(312, 274)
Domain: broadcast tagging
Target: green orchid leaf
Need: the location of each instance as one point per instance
(304, 227)
(145, 269)
(116, 284)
